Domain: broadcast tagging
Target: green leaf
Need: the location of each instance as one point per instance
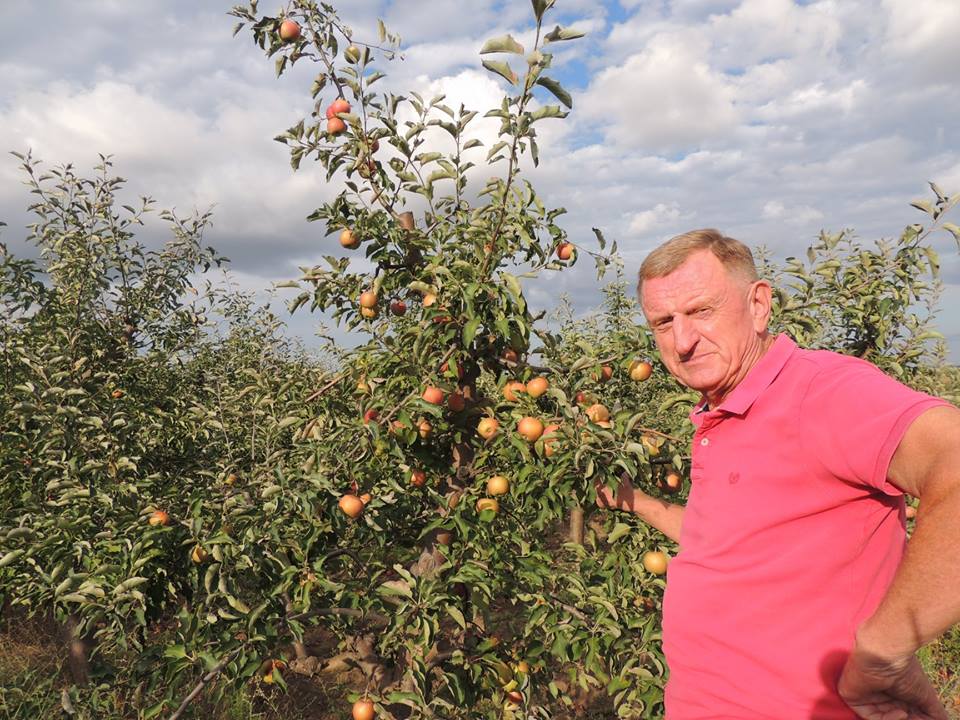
(10, 557)
(547, 111)
(953, 230)
(504, 43)
(237, 604)
(557, 89)
(539, 8)
(501, 69)
(496, 148)
(924, 205)
(470, 330)
(457, 616)
(175, 652)
(559, 33)
(619, 530)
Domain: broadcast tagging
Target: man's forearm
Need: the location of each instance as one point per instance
(664, 516)
(923, 600)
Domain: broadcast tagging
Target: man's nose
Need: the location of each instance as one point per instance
(685, 336)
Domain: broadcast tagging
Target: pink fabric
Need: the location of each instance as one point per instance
(791, 536)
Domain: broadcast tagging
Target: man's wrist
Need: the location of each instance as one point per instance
(876, 638)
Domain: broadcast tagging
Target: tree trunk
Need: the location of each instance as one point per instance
(298, 647)
(78, 651)
(576, 525)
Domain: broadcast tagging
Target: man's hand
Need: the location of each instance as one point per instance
(623, 500)
(664, 516)
(877, 688)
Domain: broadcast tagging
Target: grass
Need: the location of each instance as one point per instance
(33, 665)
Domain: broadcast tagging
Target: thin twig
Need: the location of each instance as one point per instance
(375, 618)
(321, 391)
(198, 688)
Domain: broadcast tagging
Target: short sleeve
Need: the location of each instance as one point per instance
(853, 417)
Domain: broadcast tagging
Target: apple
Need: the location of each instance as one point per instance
(565, 250)
(116, 394)
(445, 368)
(433, 395)
(397, 426)
(352, 54)
(585, 398)
(425, 429)
(598, 413)
(368, 299)
(488, 504)
(289, 30)
(548, 440)
(640, 370)
(651, 443)
(605, 423)
(369, 415)
(511, 389)
(159, 517)
(351, 505)
(456, 401)
(365, 498)
(509, 355)
(429, 299)
(488, 427)
(498, 485)
(515, 696)
(672, 482)
(537, 386)
(363, 387)
(336, 107)
(349, 239)
(363, 709)
(406, 221)
(523, 667)
(198, 554)
(606, 372)
(655, 562)
(398, 308)
(369, 313)
(418, 478)
(531, 428)
(335, 126)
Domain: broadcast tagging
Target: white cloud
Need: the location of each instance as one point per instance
(657, 216)
(795, 215)
(662, 99)
(925, 32)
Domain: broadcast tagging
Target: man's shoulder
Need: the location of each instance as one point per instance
(835, 377)
(829, 361)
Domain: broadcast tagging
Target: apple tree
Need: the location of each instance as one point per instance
(450, 462)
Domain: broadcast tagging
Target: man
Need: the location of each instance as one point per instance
(794, 593)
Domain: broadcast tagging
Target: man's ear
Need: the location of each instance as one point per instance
(761, 304)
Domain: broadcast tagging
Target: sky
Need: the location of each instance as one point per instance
(767, 119)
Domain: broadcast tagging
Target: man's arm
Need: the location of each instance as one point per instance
(923, 600)
(665, 517)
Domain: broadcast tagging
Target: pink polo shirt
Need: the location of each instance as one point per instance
(790, 537)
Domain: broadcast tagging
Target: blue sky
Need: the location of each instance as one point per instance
(769, 119)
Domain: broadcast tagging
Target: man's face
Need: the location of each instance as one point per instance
(706, 322)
